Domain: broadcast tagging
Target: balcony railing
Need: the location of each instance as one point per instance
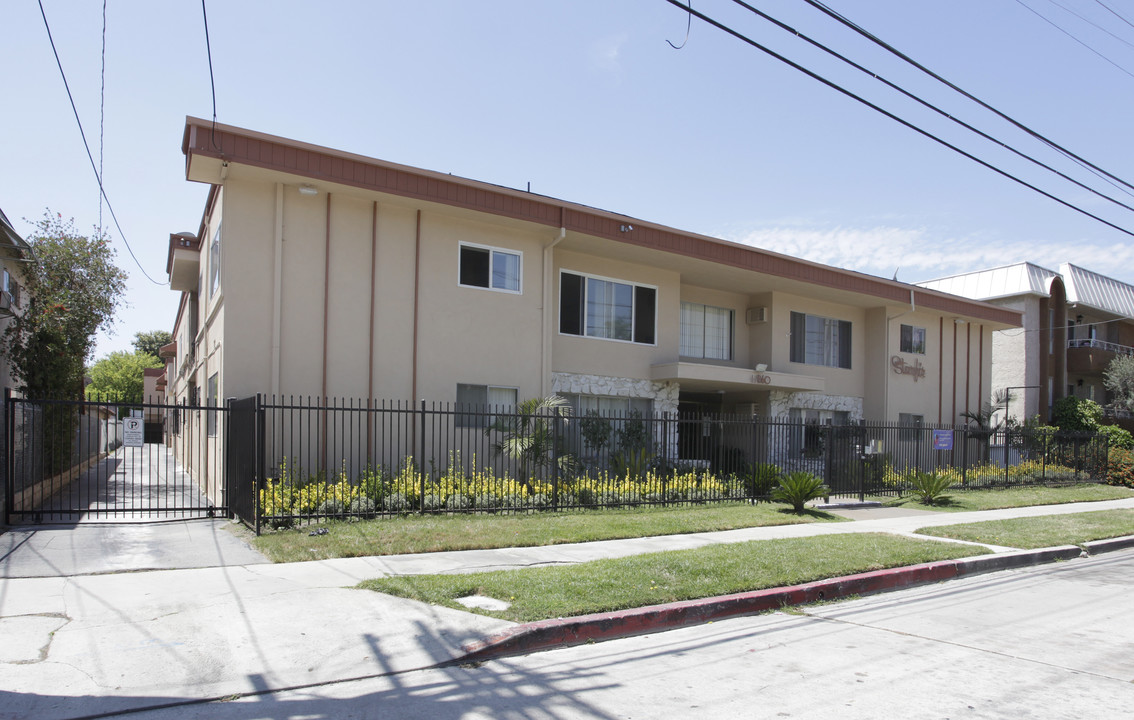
(1101, 345)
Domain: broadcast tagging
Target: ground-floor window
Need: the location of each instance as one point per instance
(608, 423)
(477, 403)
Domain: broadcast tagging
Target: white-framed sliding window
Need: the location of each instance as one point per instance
(605, 308)
(491, 268)
(706, 331)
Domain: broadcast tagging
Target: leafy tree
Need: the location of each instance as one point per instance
(119, 376)
(1077, 415)
(74, 289)
(1119, 379)
(150, 342)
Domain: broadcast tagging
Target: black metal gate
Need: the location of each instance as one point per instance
(245, 458)
(86, 460)
(843, 471)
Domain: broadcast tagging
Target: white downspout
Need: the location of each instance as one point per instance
(277, 291)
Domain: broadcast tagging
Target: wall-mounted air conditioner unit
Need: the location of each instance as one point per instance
(756, 315)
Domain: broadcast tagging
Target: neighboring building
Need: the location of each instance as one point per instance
(14, 253)
(320, 273)
(1074, 323)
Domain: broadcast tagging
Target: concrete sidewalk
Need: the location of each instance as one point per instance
(84, 645)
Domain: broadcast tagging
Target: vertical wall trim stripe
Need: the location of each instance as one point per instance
(953, 418)
(968, 364)
(370, 345)
(980, 369)
(416, 301)
(941, 369)
(326, 318)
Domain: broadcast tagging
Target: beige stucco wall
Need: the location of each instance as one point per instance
(489, 337)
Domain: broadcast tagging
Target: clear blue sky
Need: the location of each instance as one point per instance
(585, 100)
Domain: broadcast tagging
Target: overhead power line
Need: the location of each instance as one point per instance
(94, 167)
(925, 103)
(898, 53)
(921, 131)
(1071, 35)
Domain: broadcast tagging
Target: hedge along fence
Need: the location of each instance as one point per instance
(358, 459)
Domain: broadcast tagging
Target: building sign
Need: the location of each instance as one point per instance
(761, 379)
(899, 365)
(942, 439)
(133, 432)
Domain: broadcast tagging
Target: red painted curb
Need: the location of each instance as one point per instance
(547, 634)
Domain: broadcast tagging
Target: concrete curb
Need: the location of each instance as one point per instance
(1109, 545)
(548, 634)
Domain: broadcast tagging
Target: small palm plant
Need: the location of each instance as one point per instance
(527, 435)
(929, 487)
(799, 488)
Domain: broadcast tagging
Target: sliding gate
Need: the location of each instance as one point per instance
(69, 461)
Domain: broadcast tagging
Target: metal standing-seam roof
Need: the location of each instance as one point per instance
(1097, 291)
(1019, 279)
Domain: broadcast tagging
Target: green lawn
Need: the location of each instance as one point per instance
(1043, 531)
(640, 580)
(966, 500)
(435, 533)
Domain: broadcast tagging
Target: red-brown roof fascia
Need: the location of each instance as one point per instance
(247, 147)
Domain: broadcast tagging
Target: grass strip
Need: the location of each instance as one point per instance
(1042, 531)
(993, 499)
(654, 578)
(436, 533)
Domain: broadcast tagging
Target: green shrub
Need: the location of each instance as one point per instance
(397, 502)
(1121, 467)
(487, 501)
(929, 487)
(761, 480)
(799, 488)
(458, 502)
(1117, 437)
(433, 503)
(362, 506)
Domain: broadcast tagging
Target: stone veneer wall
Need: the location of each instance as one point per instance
(779, 403)
(664, 394)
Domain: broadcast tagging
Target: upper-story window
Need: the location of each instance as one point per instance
(491, 268)
(706, 331)
(214, 264)
(610, 309)
(913, 339)
(818, 340)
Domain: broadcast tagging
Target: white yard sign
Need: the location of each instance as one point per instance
(133, 432)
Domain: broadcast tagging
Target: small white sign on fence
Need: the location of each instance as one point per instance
(133, 432)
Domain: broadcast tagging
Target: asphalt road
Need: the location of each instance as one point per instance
(1055, 641)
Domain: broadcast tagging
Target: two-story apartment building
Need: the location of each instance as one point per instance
(316, 272)
(1075, 322)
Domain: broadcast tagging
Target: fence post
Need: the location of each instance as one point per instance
(9, 460)
(555, 424)
(258, 472)
(421, 463)
(964, 456)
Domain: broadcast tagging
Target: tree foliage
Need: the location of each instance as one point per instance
(74, 290)
(1074, 414)
(120, 376)
(1119, 379)
(150, 343)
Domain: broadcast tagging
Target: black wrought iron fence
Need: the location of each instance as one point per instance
(343, 458)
